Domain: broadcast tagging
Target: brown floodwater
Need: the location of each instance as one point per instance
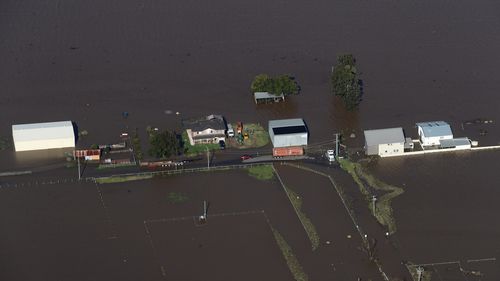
(419, 61)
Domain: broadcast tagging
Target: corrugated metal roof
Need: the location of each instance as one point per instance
(454, 142)
(266, 95)
(435, 128)
(286, 123)
(41, 131)
(384, 136)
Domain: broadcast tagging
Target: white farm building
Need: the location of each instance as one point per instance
(288, 132)
(39, 136)
(432, 133)
(385, 142)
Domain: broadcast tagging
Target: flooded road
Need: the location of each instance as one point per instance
(419, 61)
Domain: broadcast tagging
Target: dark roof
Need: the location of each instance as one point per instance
(289, 130)
(215, 122)
(207, 136)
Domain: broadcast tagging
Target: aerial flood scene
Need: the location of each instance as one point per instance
(239, 140)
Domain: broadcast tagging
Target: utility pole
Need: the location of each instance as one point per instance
(208, 157)
(337, 146)
(79, 173)
(420, 270)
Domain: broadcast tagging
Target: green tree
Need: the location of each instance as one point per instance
(345, 81)
(275, 85)
(164, 144)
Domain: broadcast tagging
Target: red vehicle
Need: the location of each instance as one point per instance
(288, 151)
(246, 157)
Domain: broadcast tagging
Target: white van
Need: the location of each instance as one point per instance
(230, 131)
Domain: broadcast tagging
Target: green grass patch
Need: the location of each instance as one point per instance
(110, 166)
(292, 262)
(257, 136)
(262, 172)
(191, 150)
(119, 179)
(311, 232)
(177, 197)
(383, 211)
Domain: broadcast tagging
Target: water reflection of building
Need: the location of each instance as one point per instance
(385, 142)
(209, 129)
(39, 136)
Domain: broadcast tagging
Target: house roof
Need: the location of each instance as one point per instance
(454, 142)
(384, 136)
(213, 121)
(288, 126)
(42, 131)
(435, 128)
(286, 123)
(266, 95)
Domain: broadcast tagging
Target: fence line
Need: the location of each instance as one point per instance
(186, 170)
(346, 206)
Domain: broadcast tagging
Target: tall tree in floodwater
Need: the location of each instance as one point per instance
(345, 81)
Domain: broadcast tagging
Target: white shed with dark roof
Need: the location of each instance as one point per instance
(288, 132)
(38, 136)
(384, 142)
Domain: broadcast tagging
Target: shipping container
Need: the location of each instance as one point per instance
(288, 151)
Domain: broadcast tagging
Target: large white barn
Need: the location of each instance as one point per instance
(385, 142)
(431, 133)
(288, 132)
(37, 136)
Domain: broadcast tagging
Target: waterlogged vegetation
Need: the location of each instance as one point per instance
(292, 262)
(262, 172)
(425, 275)
(383, 211)
(118, 179)
(282, 84)
(177, 197)
(311, 232)
(5, 143)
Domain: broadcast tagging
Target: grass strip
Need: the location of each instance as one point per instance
(383, 211)
(263, 172)
(119, 179)
(292, 262)
(110, 166)
(311, 232)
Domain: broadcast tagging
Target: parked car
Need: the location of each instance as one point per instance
(230, 131)
(222, 144)
(246, 157)
(330, 155)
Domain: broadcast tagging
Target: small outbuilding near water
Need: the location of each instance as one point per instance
(385, 142)
(288, 132)
(265, 97)
(432, 133)
(38, 136)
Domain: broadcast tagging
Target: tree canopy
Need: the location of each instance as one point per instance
(275, 85)
(345, 81)
(164, 144)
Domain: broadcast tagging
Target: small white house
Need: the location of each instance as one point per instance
(38, 136)
(431, 133)
(385, 142)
